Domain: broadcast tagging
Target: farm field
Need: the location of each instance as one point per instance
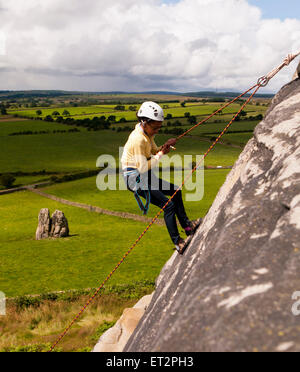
(9, 127)
(217, 128)
(175, 109)
(86, 257)
(75, 152)
(81, 261)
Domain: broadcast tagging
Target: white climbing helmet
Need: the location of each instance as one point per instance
(151, 110)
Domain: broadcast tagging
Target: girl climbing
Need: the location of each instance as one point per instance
(141, 155)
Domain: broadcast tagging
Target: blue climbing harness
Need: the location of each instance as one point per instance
(139, 185)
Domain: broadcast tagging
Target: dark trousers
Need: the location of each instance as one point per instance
(159, 190)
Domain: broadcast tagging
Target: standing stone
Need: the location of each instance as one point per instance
(59, 225)
(43, 230)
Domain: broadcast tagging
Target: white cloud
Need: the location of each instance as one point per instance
(138, 45)
(2, 44)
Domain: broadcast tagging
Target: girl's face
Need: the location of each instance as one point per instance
(153, 127)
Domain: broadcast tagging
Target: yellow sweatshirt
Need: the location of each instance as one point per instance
(140, 151)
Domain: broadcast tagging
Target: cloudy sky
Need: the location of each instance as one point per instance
(138, 45)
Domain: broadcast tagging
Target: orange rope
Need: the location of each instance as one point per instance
(160, 212)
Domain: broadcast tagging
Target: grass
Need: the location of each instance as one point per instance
(58, 153)
(214, 129)
(36, 326)
(9, 127)
(79, 151)
(221, 155)
(238, 138)
(72, 152)
(81, 261)
(42, 265)
(84, 259)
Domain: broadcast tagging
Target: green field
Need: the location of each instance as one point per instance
(216, 128)
(175, 109)
(9, 127)
(89, 254)
(72, 152)
(238, 138)
(81, 261)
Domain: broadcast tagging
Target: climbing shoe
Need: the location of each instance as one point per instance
(181, 246)
(193, 226)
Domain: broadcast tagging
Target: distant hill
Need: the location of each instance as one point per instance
(7, 94)
(223, 94)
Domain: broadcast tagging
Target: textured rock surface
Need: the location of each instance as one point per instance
(115, 339)
(232, 290)
(59, 225)
(297, 73)
(44, 226)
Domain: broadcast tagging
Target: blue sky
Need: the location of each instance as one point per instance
(271, 8)
(278, 8)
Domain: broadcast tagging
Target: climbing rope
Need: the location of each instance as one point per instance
(261, 83)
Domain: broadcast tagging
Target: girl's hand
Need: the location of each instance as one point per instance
(166, 149)
(171, 142)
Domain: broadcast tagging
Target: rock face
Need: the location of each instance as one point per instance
(115, 339)
(233, 288)
(54, 227)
